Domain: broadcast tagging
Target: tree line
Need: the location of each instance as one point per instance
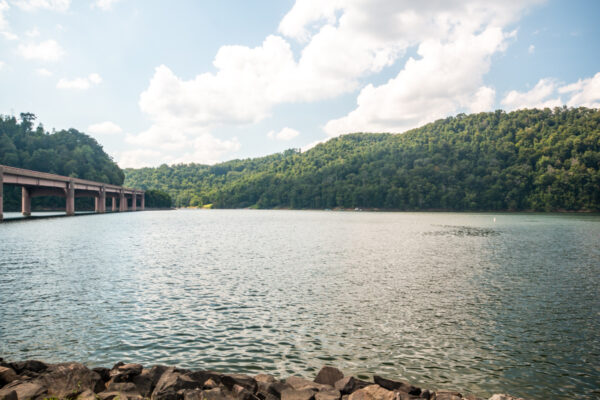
(539, 160)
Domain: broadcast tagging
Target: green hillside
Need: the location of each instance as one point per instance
(524, 160)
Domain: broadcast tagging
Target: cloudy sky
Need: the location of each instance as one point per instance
(205, 81)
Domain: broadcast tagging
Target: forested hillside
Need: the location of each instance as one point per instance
(524, 160)
(66, 152)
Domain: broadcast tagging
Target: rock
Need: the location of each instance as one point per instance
(425, 394)
(125, 372)
(244, 381)
(373, 392)
(23, 390)
(241, 393)
(173, 381)
(103, 372)
(110, 395)
(293, 394)
(87, 395)
(329, 376)
(210, 384)
(7, 375)
(12, 395)
(69, 380)
(29, 366)
(397, 385)
(121, 387)
(298, 383)
(276, 388)
(214, 394)
(350, 384)
(504, 397)
(328, 394)
(264, 382)
(447, 395)
(147, 380)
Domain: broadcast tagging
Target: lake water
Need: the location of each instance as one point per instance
(444, 300)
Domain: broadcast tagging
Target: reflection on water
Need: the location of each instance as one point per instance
(444, 300)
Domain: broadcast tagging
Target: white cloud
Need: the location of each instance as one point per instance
(2, 64)
(285, 134)
(548, 93)
(48, 50)
(584, 92)
(538, 97)
(33, 33)
(32, 5)
(104, 128)
(4, 7)
(105, 4)
(9, 35)
(139, 158)
(43, 72)
(79, 83)
(447, 77)
(531, 49)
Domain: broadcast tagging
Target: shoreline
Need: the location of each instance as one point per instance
(36, 380)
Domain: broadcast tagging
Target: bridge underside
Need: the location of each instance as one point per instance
(37, 184)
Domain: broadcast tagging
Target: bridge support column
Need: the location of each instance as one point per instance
(101, 201)
(70, 198)
(143, 205)
(134, 201)
(26, 201)
(1, 194)
(113, 204)
(122, 202)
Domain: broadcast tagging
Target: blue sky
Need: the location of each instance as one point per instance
(203, 81)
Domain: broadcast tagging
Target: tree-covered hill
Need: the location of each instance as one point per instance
(66, 152)
(524, 160)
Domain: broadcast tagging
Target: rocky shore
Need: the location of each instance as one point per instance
(36, 380)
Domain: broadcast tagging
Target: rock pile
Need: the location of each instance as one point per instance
(35, 380)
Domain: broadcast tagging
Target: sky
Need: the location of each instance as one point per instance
(207, 81)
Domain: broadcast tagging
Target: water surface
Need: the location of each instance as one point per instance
(445, 300)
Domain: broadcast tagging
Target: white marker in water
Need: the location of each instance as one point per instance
(494, 219)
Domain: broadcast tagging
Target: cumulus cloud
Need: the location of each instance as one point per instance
(285, 134)
(1, 65)
(43, 72)
(32, 5)
(33, 33)
(47, 50)
(531, 49)
(104, 128)
(80, 83)
(105, 4)
(549, 93)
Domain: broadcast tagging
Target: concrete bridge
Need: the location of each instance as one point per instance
(36, 184)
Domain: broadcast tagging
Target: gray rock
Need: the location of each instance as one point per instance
(110, 395)
(217, 393)
(7, 375)
(125, 372)
(69, 380)
(397, 385)
(103, 372)
(328, 394)
(23, 390)
(34, 366)
(298, 383)
(245, 381)
(293, 394)
(350, 384)
(87, 395)
(329, 376)
(373, 392)
(147, 380)
(172, 381)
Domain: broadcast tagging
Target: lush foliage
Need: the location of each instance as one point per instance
(157, 199)
(67, 152)
(523, 160)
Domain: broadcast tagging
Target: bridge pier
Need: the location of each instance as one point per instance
(143, 205)
(134, 201)
(100, 201)
(1, 193)
(113, 204)
(70, 192)
(26, 201)
(122, 202)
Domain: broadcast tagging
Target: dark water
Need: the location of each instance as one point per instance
(443, 300)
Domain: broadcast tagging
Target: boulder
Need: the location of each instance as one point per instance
(350, 384)
(397, 385)
(111, 395)
(87, 395)
(125, 372)
(425, 394)
(147, 380)
(504, 397)
(12, 395)
(103, 372)
(373, 392)
(302, 394)
(245, 381)
(34, 366)
(328, 394)
(217, 393)
(7, 375)
(277, 387)
(298, 383)
(68, 380)
(329, 376)
(447, 395)
(23, 390)
(173, 381)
